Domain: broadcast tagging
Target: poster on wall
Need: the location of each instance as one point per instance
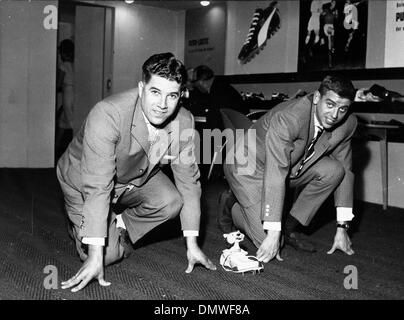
(332, 35)
(265, 23)
(394, 56)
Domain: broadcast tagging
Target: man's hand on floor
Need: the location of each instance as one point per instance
(195, 255)
(342, 242)
(92, 268)
(270, 247)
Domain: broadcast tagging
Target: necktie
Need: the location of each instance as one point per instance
(310, 149)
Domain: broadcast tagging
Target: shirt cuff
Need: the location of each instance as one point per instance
(191, 233)
(273, 226)
(344, 214)
(94, 241)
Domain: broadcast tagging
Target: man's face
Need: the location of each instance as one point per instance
(159, 98)
(331, 108)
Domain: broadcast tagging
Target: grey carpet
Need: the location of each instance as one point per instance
(33, 235)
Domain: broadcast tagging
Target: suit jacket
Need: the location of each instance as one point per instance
(111, 150)
(273, 156)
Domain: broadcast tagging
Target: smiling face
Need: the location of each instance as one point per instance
(331, 109)
(159, 98)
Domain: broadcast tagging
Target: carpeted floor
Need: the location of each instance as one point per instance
(33, 238)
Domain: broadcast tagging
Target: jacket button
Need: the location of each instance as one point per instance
(140, 170)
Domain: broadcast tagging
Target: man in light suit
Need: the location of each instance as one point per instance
(305, 144)
(116, 158)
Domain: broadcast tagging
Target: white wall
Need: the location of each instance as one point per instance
(27, 85)
(141, 31)
(376, 34)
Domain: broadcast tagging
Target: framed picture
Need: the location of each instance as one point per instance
(332, 35)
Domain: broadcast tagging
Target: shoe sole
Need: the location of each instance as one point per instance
(263, 35)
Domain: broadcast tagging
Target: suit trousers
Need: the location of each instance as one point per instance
(316, 184)
(146, 207)
(157, 201)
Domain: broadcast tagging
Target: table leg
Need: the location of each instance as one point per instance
(383, 158)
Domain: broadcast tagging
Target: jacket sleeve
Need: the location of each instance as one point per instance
(98, 168)
(343, 195)
(278, 148)
(186, 176)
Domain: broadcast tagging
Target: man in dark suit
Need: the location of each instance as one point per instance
(219, 94)
(304, 144)
(116, 158)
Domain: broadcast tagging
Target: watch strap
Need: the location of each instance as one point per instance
(343, 225)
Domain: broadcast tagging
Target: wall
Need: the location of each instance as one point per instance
(28, 70)
(27, 85)
(376, 34)
(141, 31)
(205, 37)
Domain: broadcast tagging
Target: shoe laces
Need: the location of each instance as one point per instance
(253, 26)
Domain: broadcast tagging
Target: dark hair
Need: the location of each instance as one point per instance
(203, 72)
(167, 66)
(66, 48)
(340, 85)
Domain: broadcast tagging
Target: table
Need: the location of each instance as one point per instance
(380, 129)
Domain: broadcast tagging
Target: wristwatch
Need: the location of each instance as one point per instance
(343, 225)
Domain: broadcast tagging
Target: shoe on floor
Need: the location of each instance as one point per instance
(297, 241)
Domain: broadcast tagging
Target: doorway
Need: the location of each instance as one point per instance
(90, 28)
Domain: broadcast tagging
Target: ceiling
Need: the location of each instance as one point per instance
(174, 5)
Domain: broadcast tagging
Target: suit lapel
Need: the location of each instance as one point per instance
(320, 147)
(310, 133)
(139, 129)
(160, 146)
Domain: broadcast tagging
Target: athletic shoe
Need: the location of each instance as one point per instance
(264, 24)
(236, 259)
